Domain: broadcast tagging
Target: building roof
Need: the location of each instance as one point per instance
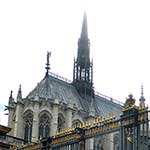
(4, 129)
(105, 106)
(54, 86)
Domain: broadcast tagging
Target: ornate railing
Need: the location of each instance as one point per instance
(109, 98)
(133, 118)
(60, 77)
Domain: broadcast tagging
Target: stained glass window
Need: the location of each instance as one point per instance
(28, 121)
(61, 122)
(44, 126)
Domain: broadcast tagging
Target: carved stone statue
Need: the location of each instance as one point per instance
(130, 101)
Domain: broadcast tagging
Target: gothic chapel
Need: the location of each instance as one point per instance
(56, 103)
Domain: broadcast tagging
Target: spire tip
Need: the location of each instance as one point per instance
(142, 99)
(142, 91)
(47, 63)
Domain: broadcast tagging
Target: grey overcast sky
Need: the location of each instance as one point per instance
(119, 32)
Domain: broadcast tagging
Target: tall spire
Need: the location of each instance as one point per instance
(83, 57)
(83, 68)
(84, 31)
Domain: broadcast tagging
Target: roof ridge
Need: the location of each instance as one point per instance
(59, 77)
(96, 93)
(109, 98)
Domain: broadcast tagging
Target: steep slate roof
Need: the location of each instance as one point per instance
(104, 106)
(52, 86)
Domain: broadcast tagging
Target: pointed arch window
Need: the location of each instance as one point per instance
(28, 121)
(61, 122)
(44, 126)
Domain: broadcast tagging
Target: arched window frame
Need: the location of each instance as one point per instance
(44, 124)
(28, 123)
(61, 122)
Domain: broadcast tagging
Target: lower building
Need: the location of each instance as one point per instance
(7, 141)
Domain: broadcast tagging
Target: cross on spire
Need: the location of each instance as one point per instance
(47, 63)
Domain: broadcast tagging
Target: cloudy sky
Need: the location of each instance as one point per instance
(119, 32)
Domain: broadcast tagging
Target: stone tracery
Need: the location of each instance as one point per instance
(44, 126)
(28, 122)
